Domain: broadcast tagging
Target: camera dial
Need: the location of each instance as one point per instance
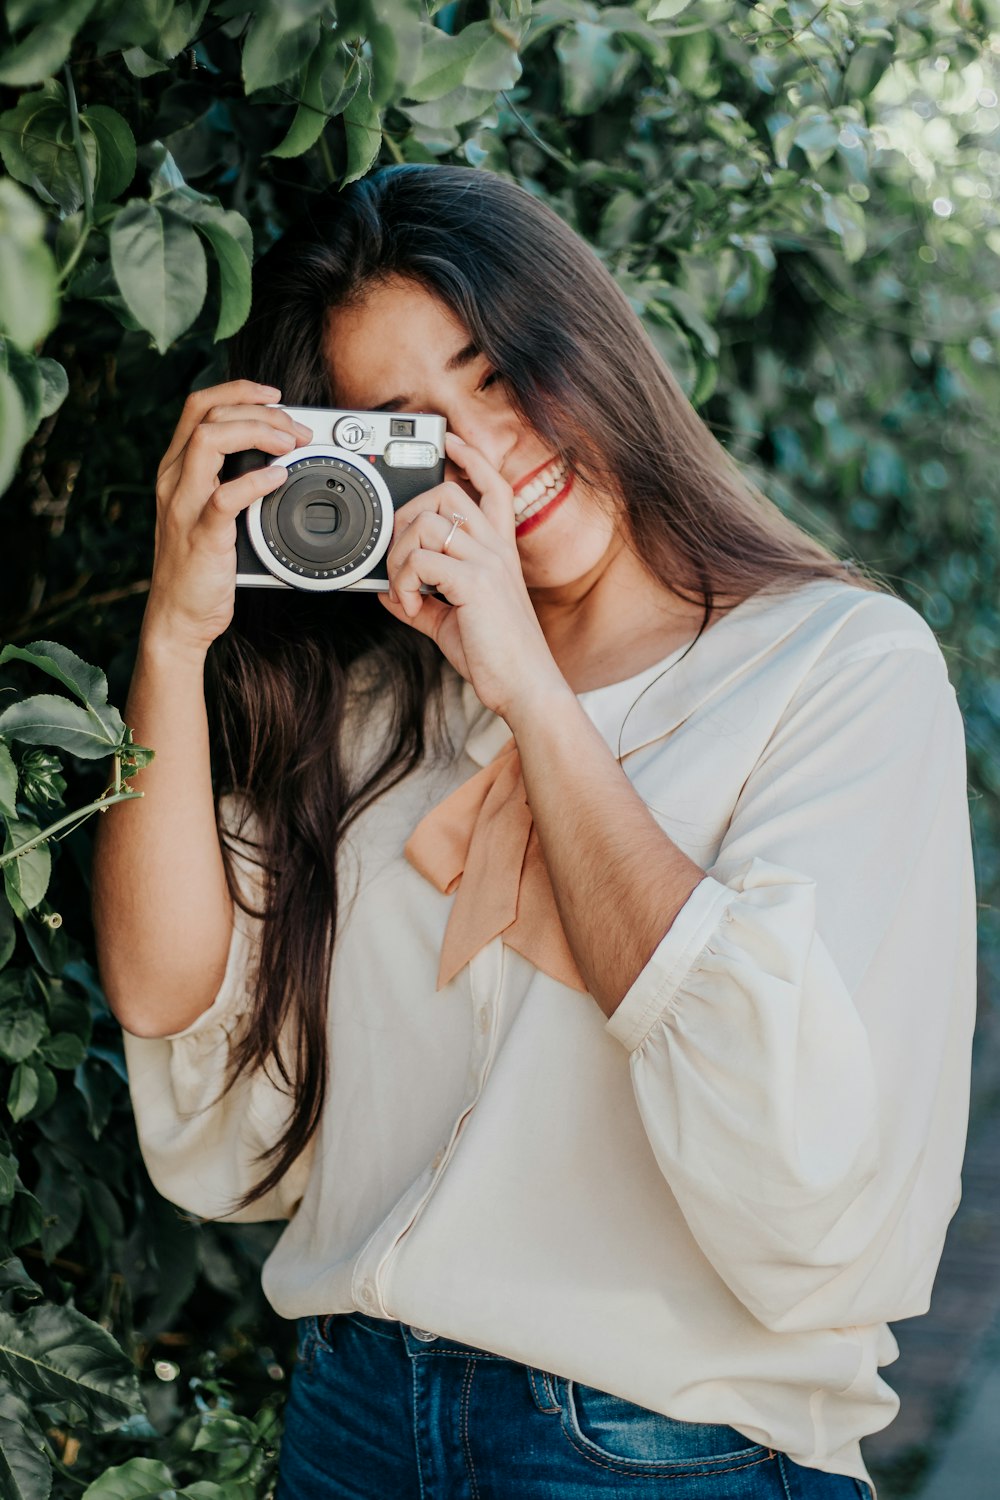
(328, 525)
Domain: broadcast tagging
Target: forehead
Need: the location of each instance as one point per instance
(398, 328)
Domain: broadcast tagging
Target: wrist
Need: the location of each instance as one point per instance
(540, 701)
(162, 642)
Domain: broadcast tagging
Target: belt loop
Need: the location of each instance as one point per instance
(542, 1390)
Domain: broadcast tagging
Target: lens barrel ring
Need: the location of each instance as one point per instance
(328, 525)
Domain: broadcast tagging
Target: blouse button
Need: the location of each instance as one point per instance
(368, 1294)
(484, 1018)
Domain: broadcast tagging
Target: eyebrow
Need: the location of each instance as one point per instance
(458, 361)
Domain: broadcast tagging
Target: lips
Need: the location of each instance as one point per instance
(536, 492)
(541, 513)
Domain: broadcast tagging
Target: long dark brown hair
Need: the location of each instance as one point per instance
(580, 371)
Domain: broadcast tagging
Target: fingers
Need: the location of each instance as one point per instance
(200, 403)
(447, 499)
(425, 537)
(226, 502)
(208, 447)
(434, 568)
(496, 501)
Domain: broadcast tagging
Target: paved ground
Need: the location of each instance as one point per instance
(945, 1443)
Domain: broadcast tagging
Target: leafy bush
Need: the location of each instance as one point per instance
(800, 201)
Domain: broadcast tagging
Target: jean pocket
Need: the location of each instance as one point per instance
(612, 1431)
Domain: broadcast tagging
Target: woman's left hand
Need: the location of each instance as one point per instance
(488, 630)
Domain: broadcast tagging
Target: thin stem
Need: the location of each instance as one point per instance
(70, 265)
(564, 161)
(72, 819)
(81, 155)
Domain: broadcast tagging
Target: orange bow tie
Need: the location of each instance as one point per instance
(481, 841)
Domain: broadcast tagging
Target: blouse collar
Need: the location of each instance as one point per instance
(646, 707)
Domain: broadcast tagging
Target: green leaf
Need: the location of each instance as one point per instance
(85, 682)
(25, 1470)
(57, 1354)
(55, 385)
(13, 429)
(27, 878)
(847, 220)
(593, 67)
(665, 10)
(8, 1181)
(234, 278)
(281, 38)
(23, 370)
(141, 64)
(23, 1023)
(22, 1094)
(8, 783)
(116, 156)
(8, 933)
(178, 27)
(326, 89)
(44, 50)
(160, 267)
(50, 720)
(138, 1479)
(363, 125)
(228, 234)
(64, 1050)
(444, 60)
(36, 143)
(41, 383)
(27, 269)
(13, 1276)
(452, 109)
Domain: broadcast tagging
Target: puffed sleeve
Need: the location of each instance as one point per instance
(800, 1039)
(200, 1142)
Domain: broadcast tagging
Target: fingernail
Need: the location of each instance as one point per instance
(269, 390)
(456, 439)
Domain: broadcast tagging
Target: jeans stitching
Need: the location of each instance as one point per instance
(784, 1477)
(666, 1468)
(540, 1384)
(470, 1370)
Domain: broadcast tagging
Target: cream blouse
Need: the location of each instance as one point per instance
(712, 1203)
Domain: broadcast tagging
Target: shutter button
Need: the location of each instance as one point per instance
(423, 1335)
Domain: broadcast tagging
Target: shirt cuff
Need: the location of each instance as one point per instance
(230, 996)
(645, 1002)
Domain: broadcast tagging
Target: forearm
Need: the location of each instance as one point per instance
(162, 910)
(619, 880)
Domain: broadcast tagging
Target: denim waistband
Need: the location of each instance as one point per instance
(416, 1340)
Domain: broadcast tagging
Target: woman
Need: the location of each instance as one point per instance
(627, 1106)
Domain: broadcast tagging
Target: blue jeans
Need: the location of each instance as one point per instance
(381, 1411)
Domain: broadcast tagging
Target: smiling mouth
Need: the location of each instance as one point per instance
(541, 490)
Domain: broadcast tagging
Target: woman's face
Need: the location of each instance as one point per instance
(401, 349)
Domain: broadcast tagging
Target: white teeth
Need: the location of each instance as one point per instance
(543, 488)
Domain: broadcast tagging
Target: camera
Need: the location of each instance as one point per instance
(330, 524)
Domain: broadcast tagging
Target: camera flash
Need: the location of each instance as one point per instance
(403, 455)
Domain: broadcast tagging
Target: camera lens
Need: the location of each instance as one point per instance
(325, 520)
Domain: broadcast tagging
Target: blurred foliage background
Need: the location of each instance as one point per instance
(801, 201)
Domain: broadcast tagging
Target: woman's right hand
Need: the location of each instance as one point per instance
(192, 592)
